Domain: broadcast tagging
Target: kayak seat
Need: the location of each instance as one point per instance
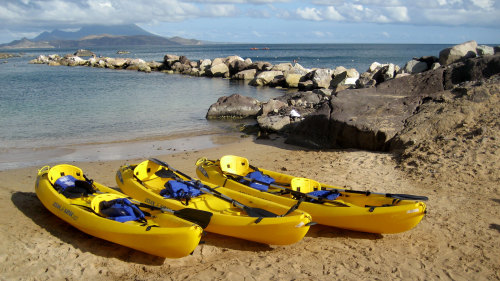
(116, 207)
(235, 165)
(146, 170)
(305, 185)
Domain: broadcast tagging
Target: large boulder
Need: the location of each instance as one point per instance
(234, 106)
(483, 50)
(322, 77)
(260, 66)
(274, 123)
(218, 70)
(458, 52)
(248, 74)
(369, 118)
(415, 66)
(265, 78)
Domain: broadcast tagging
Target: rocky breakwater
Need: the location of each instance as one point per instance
(375, 114)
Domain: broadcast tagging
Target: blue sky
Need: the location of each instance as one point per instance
(267, 21)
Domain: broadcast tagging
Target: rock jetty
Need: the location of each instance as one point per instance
(331, 107)
(374, 113)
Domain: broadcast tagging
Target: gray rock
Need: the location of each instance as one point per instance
(248, 74)
(265, 78)
(483, 50)
(272, 106)
(260, 66)
(322, 77)
(458, 52)
(274, 122)
(283, 67)
(234, 106)
(415, 66)
(218, 70)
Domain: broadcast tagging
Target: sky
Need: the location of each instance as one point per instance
(266, 21)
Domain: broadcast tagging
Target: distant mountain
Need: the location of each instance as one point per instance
(25, 44)
(124, 30)
(98, 35)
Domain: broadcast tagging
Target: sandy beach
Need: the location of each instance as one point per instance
(457, 240)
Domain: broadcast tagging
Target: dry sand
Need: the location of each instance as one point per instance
(459, 239)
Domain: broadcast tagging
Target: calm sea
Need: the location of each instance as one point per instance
(45, 107)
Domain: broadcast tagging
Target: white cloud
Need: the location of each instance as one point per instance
(332, 14)
(398, 14)
(484, 4)
(220, 10)
(309, 14)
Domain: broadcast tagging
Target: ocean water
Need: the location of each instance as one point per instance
(51, 107)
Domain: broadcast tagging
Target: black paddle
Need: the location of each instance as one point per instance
(300, 194)
(251, 211)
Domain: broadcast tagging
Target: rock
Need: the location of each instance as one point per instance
(312, 131)
(496, 49)
(248, 74)
(154, 65)
(390, 71)
(272, 105)
(115, 62)
(139, 65)
(366, 118)
(435, 65)
(84, 53)
(374, 67)
(322, 78)
(204, 66)
(471, 70)
(338, 79)
(274, 122)
(483, 50)
(236, 66)
(292, 80)
(297, 69)
(429, 60)
(366, 80)
(458, 52)
(168, 58)
(415, 66)
(260, 66)
(265, 78)
(218, 70)
(369, 118)
(283, 67)
(234, 106)
(306, 85)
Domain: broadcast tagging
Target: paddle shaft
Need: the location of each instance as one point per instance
(251, 211)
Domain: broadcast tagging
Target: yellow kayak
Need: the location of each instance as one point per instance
(234, 213)
(106, 213)
(328, 205)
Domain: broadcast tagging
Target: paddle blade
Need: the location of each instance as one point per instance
(201, 218)
(166, 174)
(407, 197)
(259, 213)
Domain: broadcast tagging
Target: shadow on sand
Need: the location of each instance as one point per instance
(333, 232)
(31, 207)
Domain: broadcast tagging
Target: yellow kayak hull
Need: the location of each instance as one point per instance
(227, 219)
(372, 213)
(164, 235)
